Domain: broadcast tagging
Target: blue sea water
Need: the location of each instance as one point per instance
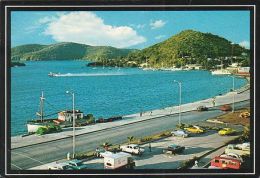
(105, 92)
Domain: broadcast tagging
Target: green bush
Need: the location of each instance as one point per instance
(42, 130)
(90, 119)
(58, 128)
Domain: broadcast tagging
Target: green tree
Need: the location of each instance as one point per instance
(106, 145)
(130, 139)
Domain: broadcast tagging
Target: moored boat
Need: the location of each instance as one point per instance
(220, 72)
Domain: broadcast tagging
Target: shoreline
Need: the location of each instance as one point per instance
(167, 107)
(19, 141)
(203, 100)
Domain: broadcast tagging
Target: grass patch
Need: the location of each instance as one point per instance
(233, 118)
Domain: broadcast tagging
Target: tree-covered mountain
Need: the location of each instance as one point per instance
(190, 47)
(66, 51)
(187, 47)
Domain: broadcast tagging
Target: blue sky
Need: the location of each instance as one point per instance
(124, 29)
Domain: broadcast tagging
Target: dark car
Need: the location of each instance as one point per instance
(225, 108)
(202, 108)
(76, 164)
(173, 149)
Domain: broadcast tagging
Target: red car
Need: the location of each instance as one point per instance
(225, 108)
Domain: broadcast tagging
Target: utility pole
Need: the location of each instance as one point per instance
(179, 100)
(73, 122)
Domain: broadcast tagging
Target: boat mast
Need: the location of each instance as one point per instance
(41, 106)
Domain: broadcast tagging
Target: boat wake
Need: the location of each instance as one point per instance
(86, 74)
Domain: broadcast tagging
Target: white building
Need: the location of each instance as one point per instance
(193, 66)
(68, 115)
(243, 70)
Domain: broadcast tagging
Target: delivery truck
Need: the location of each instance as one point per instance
(119, 160)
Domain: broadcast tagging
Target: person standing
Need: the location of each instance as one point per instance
(150, 147)
(213, 101)
(97, 152)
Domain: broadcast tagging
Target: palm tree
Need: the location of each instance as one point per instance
(130, 139)
(106, 145)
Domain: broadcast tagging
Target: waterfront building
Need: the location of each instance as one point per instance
(68, 115)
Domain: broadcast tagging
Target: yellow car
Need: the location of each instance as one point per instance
(226, 131)
(245, 114)
(194, 129)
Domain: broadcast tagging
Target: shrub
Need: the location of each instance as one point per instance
(42, 130)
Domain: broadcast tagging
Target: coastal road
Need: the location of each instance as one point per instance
(38, 154)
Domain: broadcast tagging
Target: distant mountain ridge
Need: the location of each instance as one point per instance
(187, 47)
(66, 51)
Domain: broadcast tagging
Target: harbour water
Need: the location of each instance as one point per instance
(105, 92)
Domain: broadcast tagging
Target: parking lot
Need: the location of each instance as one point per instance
(196, 145)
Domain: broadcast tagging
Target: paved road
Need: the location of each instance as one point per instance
(35, 155)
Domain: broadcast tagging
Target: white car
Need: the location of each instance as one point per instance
(180, 133)
(232, 155)
(244, 146)
(132, 148)
(59, 166)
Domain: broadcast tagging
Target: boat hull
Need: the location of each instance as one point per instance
(33, 127)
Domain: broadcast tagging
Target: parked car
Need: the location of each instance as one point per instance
(225, 108)
(245, 114)
(231, 148)
(180, 133)
(233, 155)
(132, 148)
(76, 164)
(194, 129)
(173, 149)
(226, 131)
(244, 146)
(59, 166)
(202, 108)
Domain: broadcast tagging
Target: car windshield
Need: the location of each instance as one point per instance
(173, 146)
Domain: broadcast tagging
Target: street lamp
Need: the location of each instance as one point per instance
(73, 115)
(232, 46)
(233, 106)
(179, 100)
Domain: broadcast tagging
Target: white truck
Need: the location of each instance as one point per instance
(232, 148)
(119, 160)
(132, 148)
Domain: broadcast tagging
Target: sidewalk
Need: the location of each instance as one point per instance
(19, 141)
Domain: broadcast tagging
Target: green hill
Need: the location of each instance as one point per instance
(66, 51)
(189, 47)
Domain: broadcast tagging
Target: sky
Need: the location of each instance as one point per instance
(124, 29)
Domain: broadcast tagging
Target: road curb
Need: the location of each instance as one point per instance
(112, 127)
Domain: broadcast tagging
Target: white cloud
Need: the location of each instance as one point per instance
(87, 28)
(47, 19)
(157, 24)
(159, 37)
(245, 44)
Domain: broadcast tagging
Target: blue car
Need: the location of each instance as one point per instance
(180, 133)
(76, 164)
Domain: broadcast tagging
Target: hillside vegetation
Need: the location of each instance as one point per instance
(66, 51)
(189, 47)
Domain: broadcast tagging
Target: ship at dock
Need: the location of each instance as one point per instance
(34, 125)
(65, 118)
